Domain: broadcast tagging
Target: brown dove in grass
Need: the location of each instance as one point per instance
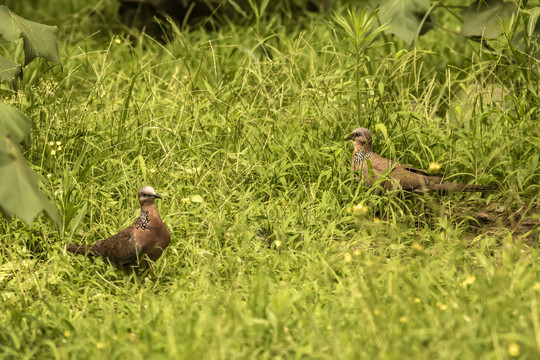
(406, 177)
(146, 239)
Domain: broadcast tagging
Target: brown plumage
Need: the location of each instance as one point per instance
(407, 177)
(146, 239)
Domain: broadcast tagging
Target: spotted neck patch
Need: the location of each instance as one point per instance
(143, 220)
(361, 155)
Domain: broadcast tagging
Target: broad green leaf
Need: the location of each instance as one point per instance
(382, 128)
(14, 124)
(533, 26)
(381, 88)
(196, 198)
(262, 9)
(483, 18)
(8, 30)
(193, 199)
(191, 170)
(405, 18)
(9, 71)
(19, 193)
(39, 39)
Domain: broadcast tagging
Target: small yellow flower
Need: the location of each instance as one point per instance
(417, 300)
(278, 243)
(117, 40)
(513, 349)
(376, 312)
(58, 148)
(67, 333)
(53, 152)
(416, 246)
(51, 143)
(442, 306)
(360, 209)
(469, 280)
(49, 176)
(403, 319)
(347, 257)
(58, 143)
(357, 252)
(433, 166)
(101, 345)
(152, 170)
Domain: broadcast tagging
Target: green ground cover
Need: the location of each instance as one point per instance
(241, 130)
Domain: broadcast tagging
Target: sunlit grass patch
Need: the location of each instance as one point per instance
(277, 252)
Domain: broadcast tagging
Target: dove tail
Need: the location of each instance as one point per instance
(77, 249)
(448, 186)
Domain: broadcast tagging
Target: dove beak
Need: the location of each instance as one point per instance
(157, 196)
(350, 137)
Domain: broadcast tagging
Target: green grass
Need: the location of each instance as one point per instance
(272, 263)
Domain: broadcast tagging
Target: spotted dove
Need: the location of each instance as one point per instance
(146, 239)
(407, 177)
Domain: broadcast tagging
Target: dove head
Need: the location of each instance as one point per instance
(361, 138)
(147, 195)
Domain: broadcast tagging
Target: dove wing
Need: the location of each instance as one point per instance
(119, 248)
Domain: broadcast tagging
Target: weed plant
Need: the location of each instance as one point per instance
(241, 130)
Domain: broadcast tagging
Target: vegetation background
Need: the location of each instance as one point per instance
(277, 252)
